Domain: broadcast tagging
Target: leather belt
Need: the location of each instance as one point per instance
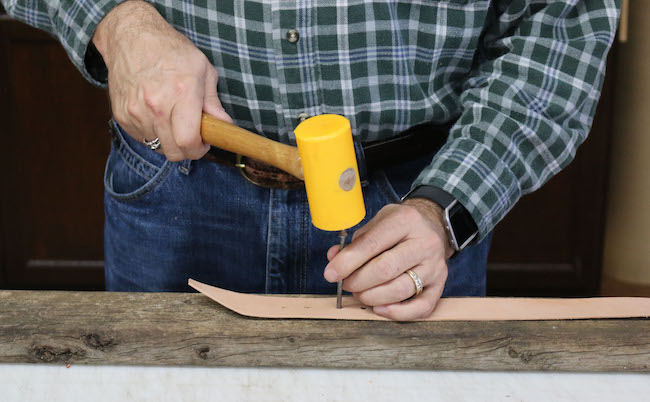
(447, 309)
(415, 142)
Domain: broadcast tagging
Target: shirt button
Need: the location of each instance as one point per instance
(293, 36)
(302, 117)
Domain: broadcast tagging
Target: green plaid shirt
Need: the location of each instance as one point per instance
(522, 76)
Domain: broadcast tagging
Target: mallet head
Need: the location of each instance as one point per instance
(329, 164)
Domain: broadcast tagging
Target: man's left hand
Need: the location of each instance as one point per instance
(400, 237)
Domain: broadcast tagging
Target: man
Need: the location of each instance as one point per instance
(518, 79)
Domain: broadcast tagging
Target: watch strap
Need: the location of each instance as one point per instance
(435, 194)
(455, 215)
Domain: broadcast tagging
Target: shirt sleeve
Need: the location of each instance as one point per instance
(73, 22)
(528, 106)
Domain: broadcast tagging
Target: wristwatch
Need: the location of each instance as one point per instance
(459, 224)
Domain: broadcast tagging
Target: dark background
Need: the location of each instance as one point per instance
(55, 143)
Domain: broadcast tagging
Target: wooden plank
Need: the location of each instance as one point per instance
(190, 330)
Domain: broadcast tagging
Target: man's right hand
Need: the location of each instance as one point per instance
(159, 82)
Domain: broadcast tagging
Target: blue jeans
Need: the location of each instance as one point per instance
(166, 222)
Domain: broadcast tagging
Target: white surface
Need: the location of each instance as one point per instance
(23, 382)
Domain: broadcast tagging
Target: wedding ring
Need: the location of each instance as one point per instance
(416, 281)
(153, 144)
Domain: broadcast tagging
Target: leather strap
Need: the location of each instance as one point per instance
(410, 144)
(448, 309)
(420, 140)
(258, 173)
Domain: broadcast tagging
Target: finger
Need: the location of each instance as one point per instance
(211, 103)
(385, 267)
(186, 120)
(332, 252)
(151, 108)
(418, 307)
(397, 290)
(377, 218)
(390, 230)
(162, 130)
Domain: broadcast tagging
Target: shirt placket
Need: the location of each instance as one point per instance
(297, 71)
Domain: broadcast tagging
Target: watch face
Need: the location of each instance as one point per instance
(462, 224)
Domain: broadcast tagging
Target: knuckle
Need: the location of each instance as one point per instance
(212, 72)
(363, 298)
(369, 241)
(132, 108)
(386, 269)
(186, 143)
(154, 104)
(180, 88)
(351, 285)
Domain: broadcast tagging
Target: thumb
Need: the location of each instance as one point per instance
(211, 103)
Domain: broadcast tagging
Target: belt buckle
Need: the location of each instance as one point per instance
(239, 164)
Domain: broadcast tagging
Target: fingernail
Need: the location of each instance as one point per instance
(331, 275)
(380, 309)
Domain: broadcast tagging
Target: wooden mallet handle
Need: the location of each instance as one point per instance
(241, 141)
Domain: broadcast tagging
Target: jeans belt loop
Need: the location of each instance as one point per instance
(185, 166)
(361, 163)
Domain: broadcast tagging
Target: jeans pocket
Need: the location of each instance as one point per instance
(132, 169)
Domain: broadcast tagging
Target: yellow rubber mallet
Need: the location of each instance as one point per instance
(324, 159)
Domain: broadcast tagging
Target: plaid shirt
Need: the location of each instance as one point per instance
(522, 76)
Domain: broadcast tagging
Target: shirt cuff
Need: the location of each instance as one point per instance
(77, 39)
(477, 178)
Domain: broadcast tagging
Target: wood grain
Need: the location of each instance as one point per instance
(241, 141)
(190, 330)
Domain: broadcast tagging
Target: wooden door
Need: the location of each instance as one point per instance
(551, 243)
(55, 143)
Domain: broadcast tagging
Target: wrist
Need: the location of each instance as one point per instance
(434, 214)
(126, 19)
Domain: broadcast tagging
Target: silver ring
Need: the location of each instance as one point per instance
(153, 144)
(416, 281)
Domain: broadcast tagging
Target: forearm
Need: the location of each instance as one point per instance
(125, 24)
(527, 108)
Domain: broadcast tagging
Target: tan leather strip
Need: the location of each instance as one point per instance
(448, 309)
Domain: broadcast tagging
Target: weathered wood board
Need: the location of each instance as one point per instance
(188, 329)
